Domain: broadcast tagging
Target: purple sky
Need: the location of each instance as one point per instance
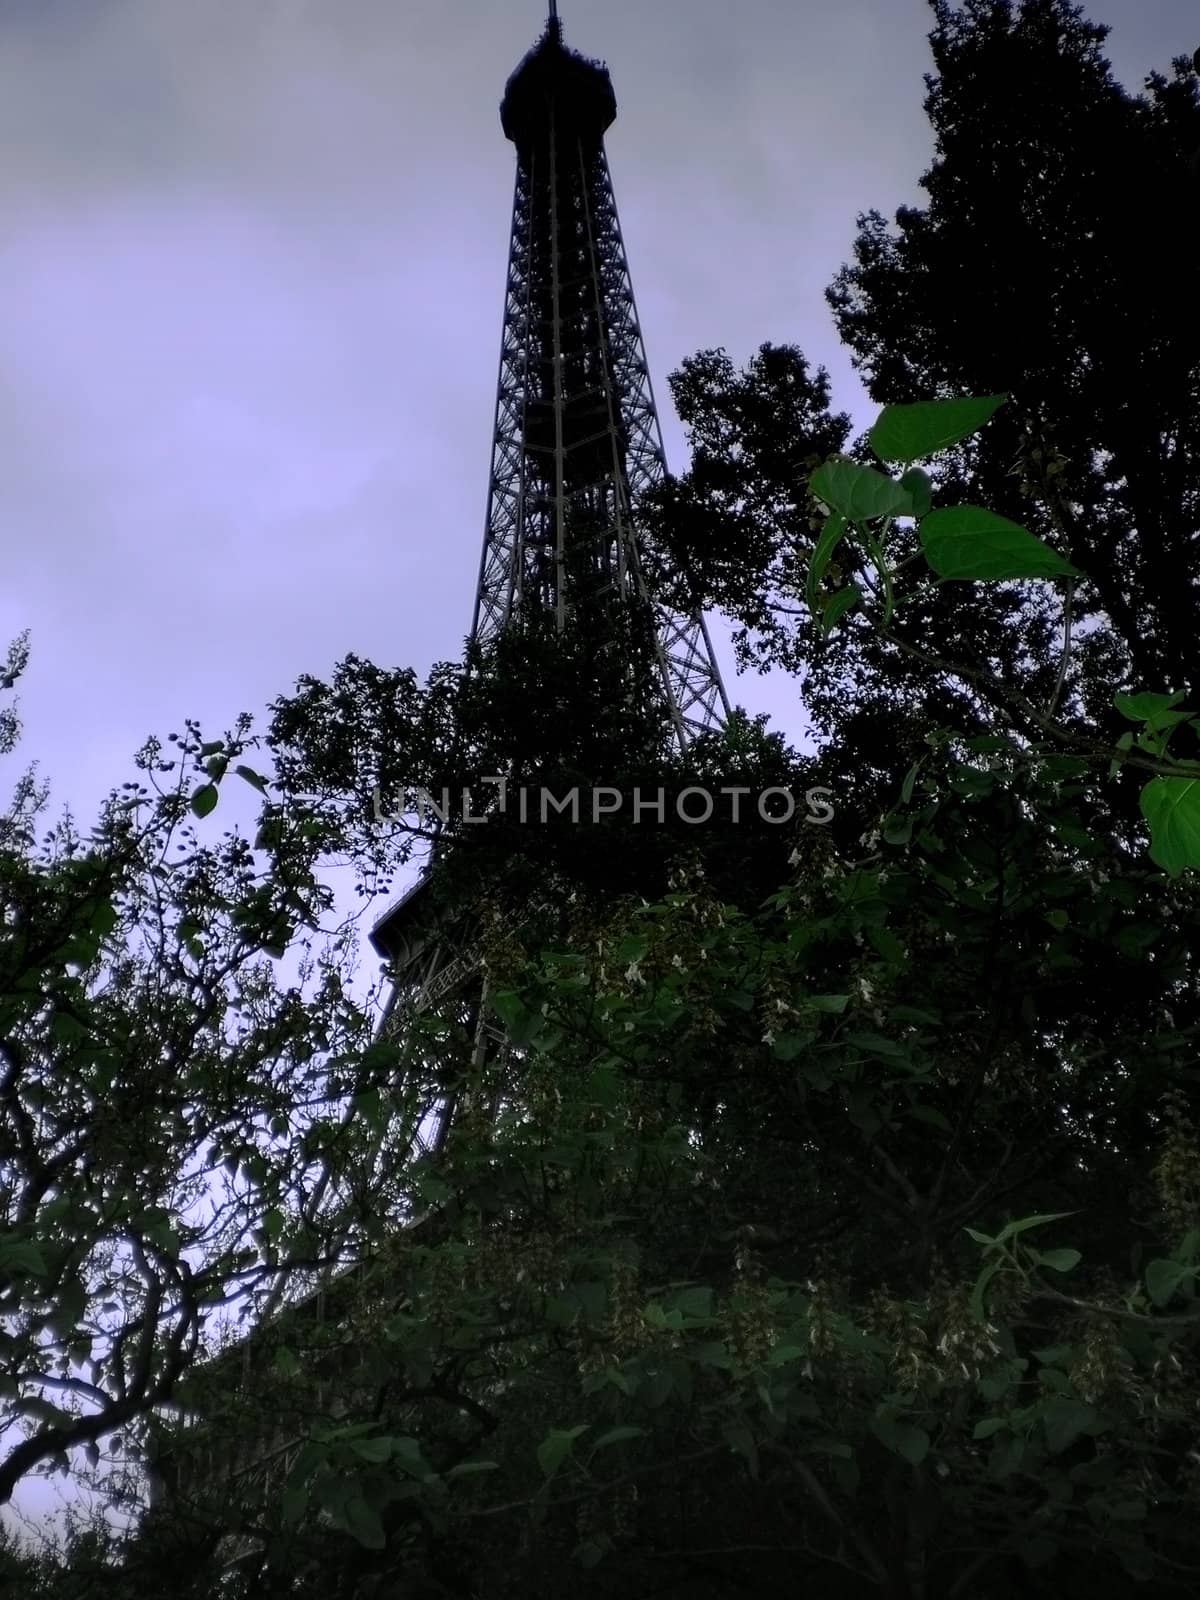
(251, 288)
(250, 294)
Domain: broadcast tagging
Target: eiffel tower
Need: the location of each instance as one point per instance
(576, 441)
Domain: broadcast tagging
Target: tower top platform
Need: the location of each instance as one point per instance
(552, 78)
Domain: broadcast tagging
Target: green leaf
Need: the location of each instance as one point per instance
(1171, 806)
(556, 1447)
(876, 1044)
(1059, 1260)
(912, 432)
(1146, 707)
(1058, 919)
(989, 1426)
(969, 542)
(469, 1469)
(254, 779)
(1064, 1420)
(1164, 1278)
(920, 491)
(836, 606)
(1007, 1456)
(285, 1363)
(694, 1301)
(858, 493)
(981, 1283)
(591, 1552)
(103, 919)
(902, 1437)
(789, 1045)
(783, 1355)
(521, 1024)
(1058, 1355)
(922, 1019)
(998, 1384)
(376, 1451)
(910, 778)
(362, 1520)
(1011, 1229)
(1052, 1378)
(617, 1435)
(830, 537)
(204, 800)
(835, 1003)
(1159, 724)
(408, 1452)
(894, 951)
(1136, 939)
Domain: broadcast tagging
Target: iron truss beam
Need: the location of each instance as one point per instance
(577, 437)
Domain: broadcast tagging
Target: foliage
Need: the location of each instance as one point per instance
(671, 1259)
(846, 1235)
(1020, 276)
(648, 1335)
(161, 1094)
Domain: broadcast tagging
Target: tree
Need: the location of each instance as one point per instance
(162, 1094)
(1027, 274)
(849, 1237)
(1022, 277)
(649, 1338)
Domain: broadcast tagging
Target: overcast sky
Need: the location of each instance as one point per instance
(250, 294)
(251, 277)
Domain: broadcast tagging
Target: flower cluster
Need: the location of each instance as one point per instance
(1177, 1172)
(747, 1320)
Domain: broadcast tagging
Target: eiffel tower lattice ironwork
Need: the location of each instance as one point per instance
(576, 441)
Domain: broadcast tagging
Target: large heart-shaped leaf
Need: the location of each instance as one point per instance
(969, 542)
(859, 493)
(912, 432)
(1172, 808)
